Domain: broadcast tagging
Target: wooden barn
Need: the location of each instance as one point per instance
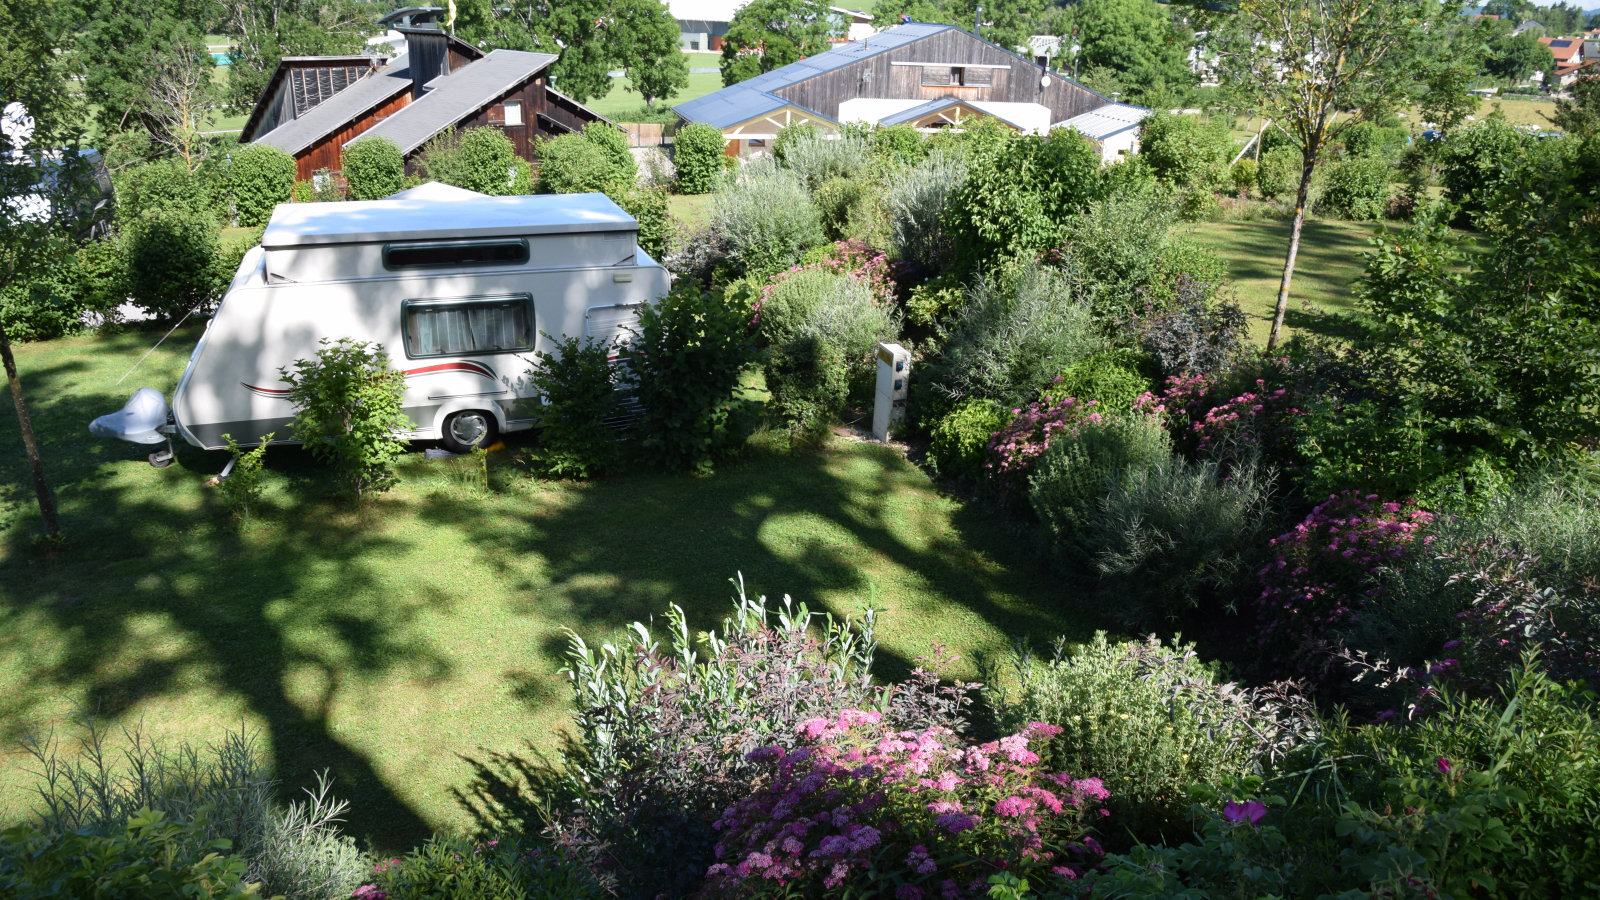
(313, 106)
(928, 76)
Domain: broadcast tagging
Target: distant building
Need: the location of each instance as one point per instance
(1571, 72)
(924, 75)
(704, 23)
(313, 106)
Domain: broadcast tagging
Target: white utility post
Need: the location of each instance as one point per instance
(889, 406)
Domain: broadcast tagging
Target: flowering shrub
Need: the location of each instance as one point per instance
(909, 814)
(1014, 448)
(1260, 420)
(852, 258)
(664, 730)
(1322, 572)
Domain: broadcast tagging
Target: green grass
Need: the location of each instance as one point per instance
(394, 643)
(690, 209)
(1328, 263)
(621, 101)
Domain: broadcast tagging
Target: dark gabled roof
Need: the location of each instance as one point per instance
(342, 108)
(459, 95)
(748, 99)
(247, 133)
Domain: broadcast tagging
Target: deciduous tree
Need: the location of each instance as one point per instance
(647, 48)
(770, 34)
(1302, 61)
(42, 181)
(583, 33)
(1138, 40)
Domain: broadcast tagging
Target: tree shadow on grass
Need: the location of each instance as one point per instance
(158, 597)
(834, 528)
(158, 594)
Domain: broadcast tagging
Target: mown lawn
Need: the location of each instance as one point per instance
(1330, 260)
(621, 101)
(394, 643)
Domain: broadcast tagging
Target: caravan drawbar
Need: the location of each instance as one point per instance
(460, 288)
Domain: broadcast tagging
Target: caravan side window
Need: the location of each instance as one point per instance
(437, 254)
(469, 327)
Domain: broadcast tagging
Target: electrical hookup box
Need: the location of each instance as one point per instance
(889, 406)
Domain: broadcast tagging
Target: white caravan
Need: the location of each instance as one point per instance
(459, 287)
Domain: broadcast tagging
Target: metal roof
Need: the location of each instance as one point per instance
(459, 95)
(920, 110)
(749, 99)
(339, 110)
(440, 214)
(373, 60)
(1108, 120)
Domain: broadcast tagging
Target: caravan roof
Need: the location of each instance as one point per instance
(439, 215)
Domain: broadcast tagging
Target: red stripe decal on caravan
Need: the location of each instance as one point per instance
(475, 368)
(266, 392)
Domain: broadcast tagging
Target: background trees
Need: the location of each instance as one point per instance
(265, 31)
(769, 34)
(1302, 61)
(1139, 41)
(590, 36)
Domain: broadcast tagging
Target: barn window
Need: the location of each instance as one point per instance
(936, 75)
(468, 327)
(513, 112)
(437, 254)
(978, 77)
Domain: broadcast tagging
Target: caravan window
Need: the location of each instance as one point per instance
(468, 327)
(435, 254)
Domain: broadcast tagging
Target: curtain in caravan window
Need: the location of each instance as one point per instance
(464, 329)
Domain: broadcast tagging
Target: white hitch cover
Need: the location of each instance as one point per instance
(137, 422)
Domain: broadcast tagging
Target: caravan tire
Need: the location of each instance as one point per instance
(468, 429)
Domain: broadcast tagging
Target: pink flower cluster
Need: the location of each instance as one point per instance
(852, 258)
(1322, 572)
(858, 803)
(1014, 448)
(1202, 421)
(1262, 418)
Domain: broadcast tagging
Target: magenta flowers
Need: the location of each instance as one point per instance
(1251, 811)
(1444, 766)
(861, 803)
(1322, 572)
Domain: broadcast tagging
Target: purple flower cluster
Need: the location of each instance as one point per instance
(860, 803)
(1321, 574)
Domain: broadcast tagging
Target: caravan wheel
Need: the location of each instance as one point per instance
(468, 429)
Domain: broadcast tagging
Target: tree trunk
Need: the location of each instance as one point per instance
(1306, 169)
(47, 504)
